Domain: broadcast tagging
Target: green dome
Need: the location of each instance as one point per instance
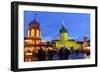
(63, 29)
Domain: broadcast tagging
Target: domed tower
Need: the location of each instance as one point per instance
(85, 43)
(34, 31)
(63, 33)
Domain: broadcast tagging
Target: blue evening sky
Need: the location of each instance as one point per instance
(77, 24)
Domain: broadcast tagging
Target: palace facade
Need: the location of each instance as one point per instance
(65, 41)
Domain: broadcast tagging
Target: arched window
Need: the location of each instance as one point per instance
(62, 36)
(32, 32)
(37, 33)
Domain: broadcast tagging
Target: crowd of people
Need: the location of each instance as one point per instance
(62, 54)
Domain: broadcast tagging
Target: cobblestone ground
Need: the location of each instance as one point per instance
(56, 57)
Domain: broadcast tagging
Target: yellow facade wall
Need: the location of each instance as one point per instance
(67, 44)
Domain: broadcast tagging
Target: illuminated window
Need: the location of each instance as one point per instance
(37, 33)
(33, 42)
(37, 42)
(32, 32)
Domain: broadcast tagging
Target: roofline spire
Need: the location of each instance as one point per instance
(63, 23)
(63, 29)
(35, 15)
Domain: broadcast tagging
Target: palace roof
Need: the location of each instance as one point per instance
(34, 23)
(63, 29)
